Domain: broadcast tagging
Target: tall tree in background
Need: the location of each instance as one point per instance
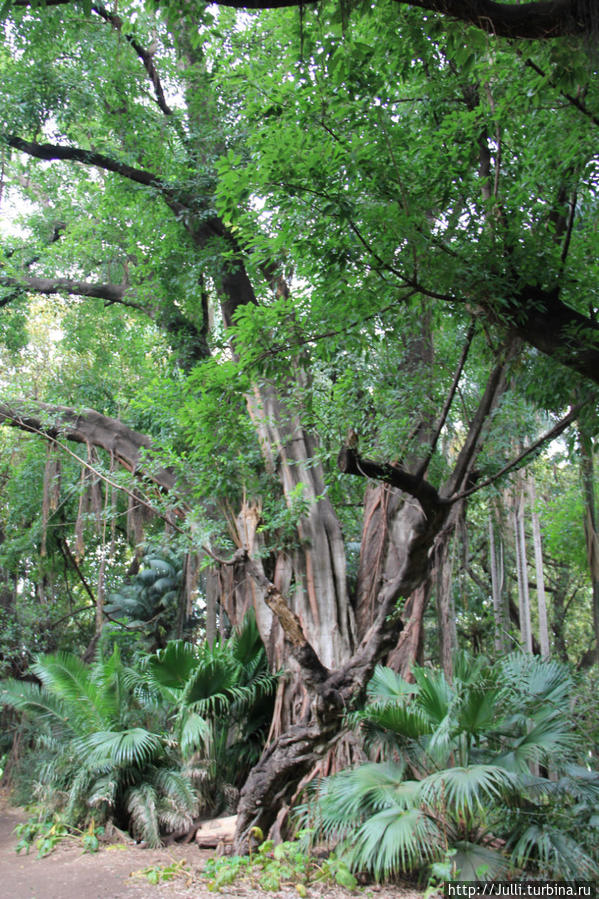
(289, 230)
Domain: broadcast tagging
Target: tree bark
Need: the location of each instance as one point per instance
(540, 575)
(522, 572)
(590, 522)
(497, 577)
(127, 447)
(444, 596)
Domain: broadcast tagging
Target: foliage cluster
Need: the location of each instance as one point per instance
(488, 767)
(46, 831)
(273, 867)
(147, 745)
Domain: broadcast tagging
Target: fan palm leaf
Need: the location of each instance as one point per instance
(472, 859)
(135, 746)
(469, 746)
(466, 790)
(389, 842)
(553, 850)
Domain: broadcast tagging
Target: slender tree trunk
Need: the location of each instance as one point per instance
(559, 614)
(522, 572)
(497, 576)
(444, 559)
(538, 550)
(590, 523)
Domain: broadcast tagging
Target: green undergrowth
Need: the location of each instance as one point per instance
(269, 867)
(272, 867)
(45, 834)
(156, 874)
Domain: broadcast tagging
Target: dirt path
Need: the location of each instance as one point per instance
(110, 873)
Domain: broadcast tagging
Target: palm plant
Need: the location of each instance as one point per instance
(150, 602)
(463, 769)
(222, 701)
(99, 749)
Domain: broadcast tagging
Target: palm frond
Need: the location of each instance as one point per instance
(475, 862)
(172, 666)
(390, 842)
(434, 695)
(69, 679)
(465, 790)
(103, 791)
(133, 746)
(33, 700)
(174, 785)
(397, 718)
(141, 802)
(553, 851)
(194, 734)
(387, 684)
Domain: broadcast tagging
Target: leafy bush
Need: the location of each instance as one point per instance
(485, 767)
(150, 602)
(149, 745)
(100, 752)
(222, 698)
(272, 867)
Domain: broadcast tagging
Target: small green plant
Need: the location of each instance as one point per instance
(272, 867)
(439, 873)
(164, 873)
(47, 832)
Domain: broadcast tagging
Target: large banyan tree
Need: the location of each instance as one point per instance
(362, 243)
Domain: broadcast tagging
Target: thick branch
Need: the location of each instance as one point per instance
(557, 330)
(144, 55)
(192, 340)
(469, 452)
(537, 20)
(52, 152)
(127, 447)
(550, 435)
(111, 293)
(349, 462)
(87, 157)
(532, 21)
(448, 401)
(315, 673)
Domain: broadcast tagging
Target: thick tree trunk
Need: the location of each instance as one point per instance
(420, 515)
(410, 644)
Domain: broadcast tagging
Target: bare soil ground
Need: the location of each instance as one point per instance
(114, 872)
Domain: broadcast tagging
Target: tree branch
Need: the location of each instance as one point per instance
(144, 55)
(349, 462)
(539, 20)
(110, 293)
(448, 401)
(52, 152)
(86, 426)
(315, 673)
(554, 432)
